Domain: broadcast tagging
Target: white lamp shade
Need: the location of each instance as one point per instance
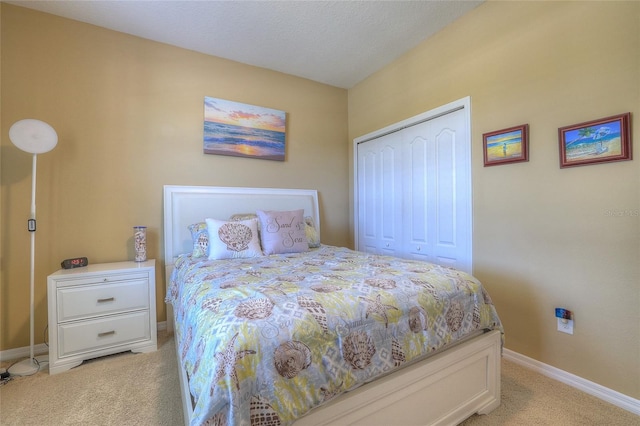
(34, 136)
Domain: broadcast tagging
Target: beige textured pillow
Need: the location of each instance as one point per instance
(312, 233)
(243, 216)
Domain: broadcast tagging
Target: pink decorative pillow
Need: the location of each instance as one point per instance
(283, 231)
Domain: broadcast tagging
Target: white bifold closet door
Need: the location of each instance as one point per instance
(379, 201)
(413, 196)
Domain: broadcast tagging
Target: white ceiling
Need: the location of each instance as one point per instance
(334, 42)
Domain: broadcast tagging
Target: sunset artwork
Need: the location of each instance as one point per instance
(242, 130)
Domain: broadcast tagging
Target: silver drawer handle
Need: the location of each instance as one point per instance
(106, 333)
(108, 299)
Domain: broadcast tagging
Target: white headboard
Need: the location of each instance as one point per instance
(184, 205)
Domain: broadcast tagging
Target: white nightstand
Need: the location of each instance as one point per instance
(99, 310)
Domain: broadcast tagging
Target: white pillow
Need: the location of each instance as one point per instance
(233, 239)
(283, 231)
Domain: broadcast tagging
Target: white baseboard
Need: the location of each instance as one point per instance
(41, 349)
(17, 353)
(609, 395)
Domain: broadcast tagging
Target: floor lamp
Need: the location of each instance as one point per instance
(35, 137)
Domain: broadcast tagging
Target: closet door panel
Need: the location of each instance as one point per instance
(368, 218)
(417, 176)
(379, 197)
(445, 241)
(453, 245)
(390, 200)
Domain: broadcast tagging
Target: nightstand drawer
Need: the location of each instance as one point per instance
(80, 279)
(90, 301)
(91, 335)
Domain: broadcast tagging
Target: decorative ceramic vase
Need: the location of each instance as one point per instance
(140, 243)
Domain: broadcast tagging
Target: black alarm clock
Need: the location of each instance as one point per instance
(75, 262)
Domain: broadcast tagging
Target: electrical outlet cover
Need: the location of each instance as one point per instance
(565, 327)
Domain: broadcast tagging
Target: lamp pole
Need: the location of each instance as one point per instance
(35, 137)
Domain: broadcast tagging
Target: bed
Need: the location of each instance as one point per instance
(320, 335)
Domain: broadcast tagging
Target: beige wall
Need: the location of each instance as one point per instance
(543, 237)
(129, 116)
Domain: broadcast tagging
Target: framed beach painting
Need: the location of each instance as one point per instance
(506, 146)
(597, 141)
(242, 130)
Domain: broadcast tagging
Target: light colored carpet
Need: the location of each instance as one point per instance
(529, 398)
(122, 389)
(143, 389)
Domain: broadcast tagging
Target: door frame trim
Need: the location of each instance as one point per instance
(464, 104)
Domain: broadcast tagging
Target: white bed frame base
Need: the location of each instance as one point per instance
(443, 389)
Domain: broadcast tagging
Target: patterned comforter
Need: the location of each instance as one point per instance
(266, 339)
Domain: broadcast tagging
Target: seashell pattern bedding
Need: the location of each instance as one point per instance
(266, 339)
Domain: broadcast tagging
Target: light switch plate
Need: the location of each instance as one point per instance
(565, 327)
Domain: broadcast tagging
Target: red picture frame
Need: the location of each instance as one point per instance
(506, 146)
(597, 141)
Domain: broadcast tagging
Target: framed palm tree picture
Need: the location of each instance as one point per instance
(598, 141)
